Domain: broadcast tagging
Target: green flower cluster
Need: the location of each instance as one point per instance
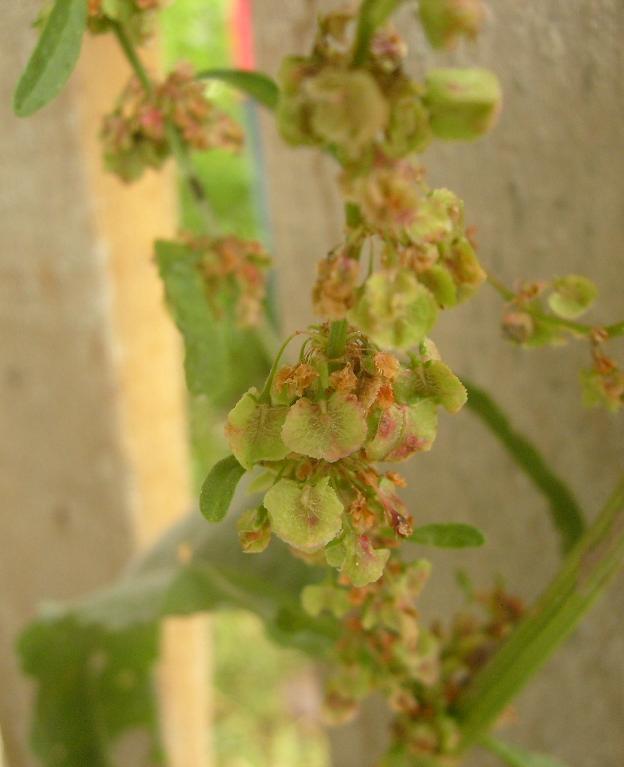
(135, 135)
(421, 671)
(317, 430)
(358, 112)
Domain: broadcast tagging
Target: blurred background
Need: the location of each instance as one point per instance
(102, 448)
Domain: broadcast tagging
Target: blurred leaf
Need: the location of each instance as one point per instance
(219, 487)
(220, 358)
(518, 757)
(565, 512)
(255, 84)
(373, 13)
(204, 361)
(54, 57)
(451, 536)
(92, 660)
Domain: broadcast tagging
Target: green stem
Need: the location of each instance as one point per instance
(598, 556)
(565, 512)
(337, 341)
(178, 147)
(580, 328)
(190, 178)
(133, 59)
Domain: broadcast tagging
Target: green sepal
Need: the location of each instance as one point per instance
(403, 430)
(363, 564)
(463, 103)
(328, 430)
(440, 282)
(254, 530)
(572, 296)
(219, 487)
(432, 379)
(306, 516)
(394, 309)
(254, 430)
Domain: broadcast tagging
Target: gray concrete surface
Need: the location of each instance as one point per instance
(545, 192)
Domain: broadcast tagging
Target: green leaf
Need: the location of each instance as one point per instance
(327, 430)
(565, 511)
(219, 487)
(373, 13)
(514, 756)
(254, 430)
(92, 662)
(255, 84)
(204, 343)
(573, 295)
(306, 516)
(448, 536)
(53, 59)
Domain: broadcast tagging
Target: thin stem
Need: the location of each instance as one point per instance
(580, 328)
(337, 341)
(598, 556)
(191, 179)
(132, 56)
(565, 512)
(178, 147)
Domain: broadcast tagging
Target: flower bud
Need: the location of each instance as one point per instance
(463, 103)
(444, 21)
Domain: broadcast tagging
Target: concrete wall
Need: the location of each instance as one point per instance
(545, 192)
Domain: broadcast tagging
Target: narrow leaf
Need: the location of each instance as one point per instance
(373, 14)
(53, 59)
(448, 536)
(255, 84)
(518, 757)
(566, 513)
(583, 577)
(219, 487)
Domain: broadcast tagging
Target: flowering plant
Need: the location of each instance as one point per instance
(367, 382)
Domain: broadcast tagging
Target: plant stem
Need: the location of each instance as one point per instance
(585, 573)
(337, 341)
(178, 147)
(580, 328)
(565, 512)
(132, 56)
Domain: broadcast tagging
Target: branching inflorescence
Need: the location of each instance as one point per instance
(367, 383)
